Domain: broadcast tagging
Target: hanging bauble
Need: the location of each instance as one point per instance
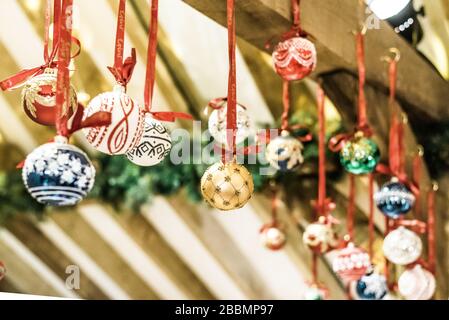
(284, 152)
(127, 122)
(154, 145)
(227, 186)
(294, 58)
(39, 98)
(371, 286)
(359, 155)
(394, 199)
(2, 270)
(272, 236)
(417, 284)
(218, 123)
(320, 236)
(314, 292)
(351, 263)
(58, 174)
(402, 246)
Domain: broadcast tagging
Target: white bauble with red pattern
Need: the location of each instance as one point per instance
(272, 236)
(127, 122)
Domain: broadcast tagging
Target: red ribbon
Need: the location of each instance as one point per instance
(122, 70)
(150, 76)
(351, 208)
(431, 231)
(415, 225)
(371, 215)
(49, 56)
(63, 80)
(360, 44)
(337, 142)
(231, 113)
(323, 204)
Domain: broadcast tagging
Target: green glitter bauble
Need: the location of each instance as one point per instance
(360, 155)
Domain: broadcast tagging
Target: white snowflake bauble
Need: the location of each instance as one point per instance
(284, 152)
(402, 246)
(227, 186)
(154, 145)
(371, 286)
(417, 284)
(127, 122)
(218, 122)
(39, 98)
(58, 174)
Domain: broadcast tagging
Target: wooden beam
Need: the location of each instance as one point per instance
(27, 232)
(26, 272)
(120, 278)
(260, 20)
(149, 239)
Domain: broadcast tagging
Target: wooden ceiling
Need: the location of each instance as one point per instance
(174, 249)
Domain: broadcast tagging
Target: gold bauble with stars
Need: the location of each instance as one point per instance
(227, 186)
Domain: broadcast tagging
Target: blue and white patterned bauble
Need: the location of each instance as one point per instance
(284, 152)
(58, 174)
(371, 286)
(394, 199)
(154, 145)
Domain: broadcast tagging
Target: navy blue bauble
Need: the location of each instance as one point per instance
(372, 286)
(58, 174)
(394, 199)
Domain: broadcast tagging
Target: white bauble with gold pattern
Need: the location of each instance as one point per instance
(227, 186)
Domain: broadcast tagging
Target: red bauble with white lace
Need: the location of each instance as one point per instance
(127, 122)
(351, 263)
(294, 58)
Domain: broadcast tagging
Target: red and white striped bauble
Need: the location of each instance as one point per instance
(351, 263)
(127, 122)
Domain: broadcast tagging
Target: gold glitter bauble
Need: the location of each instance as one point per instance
(227, 186)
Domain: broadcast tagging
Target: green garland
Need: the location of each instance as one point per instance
(125, 185)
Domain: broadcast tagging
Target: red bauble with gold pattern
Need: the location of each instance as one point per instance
(294, 58)
(39, 98)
